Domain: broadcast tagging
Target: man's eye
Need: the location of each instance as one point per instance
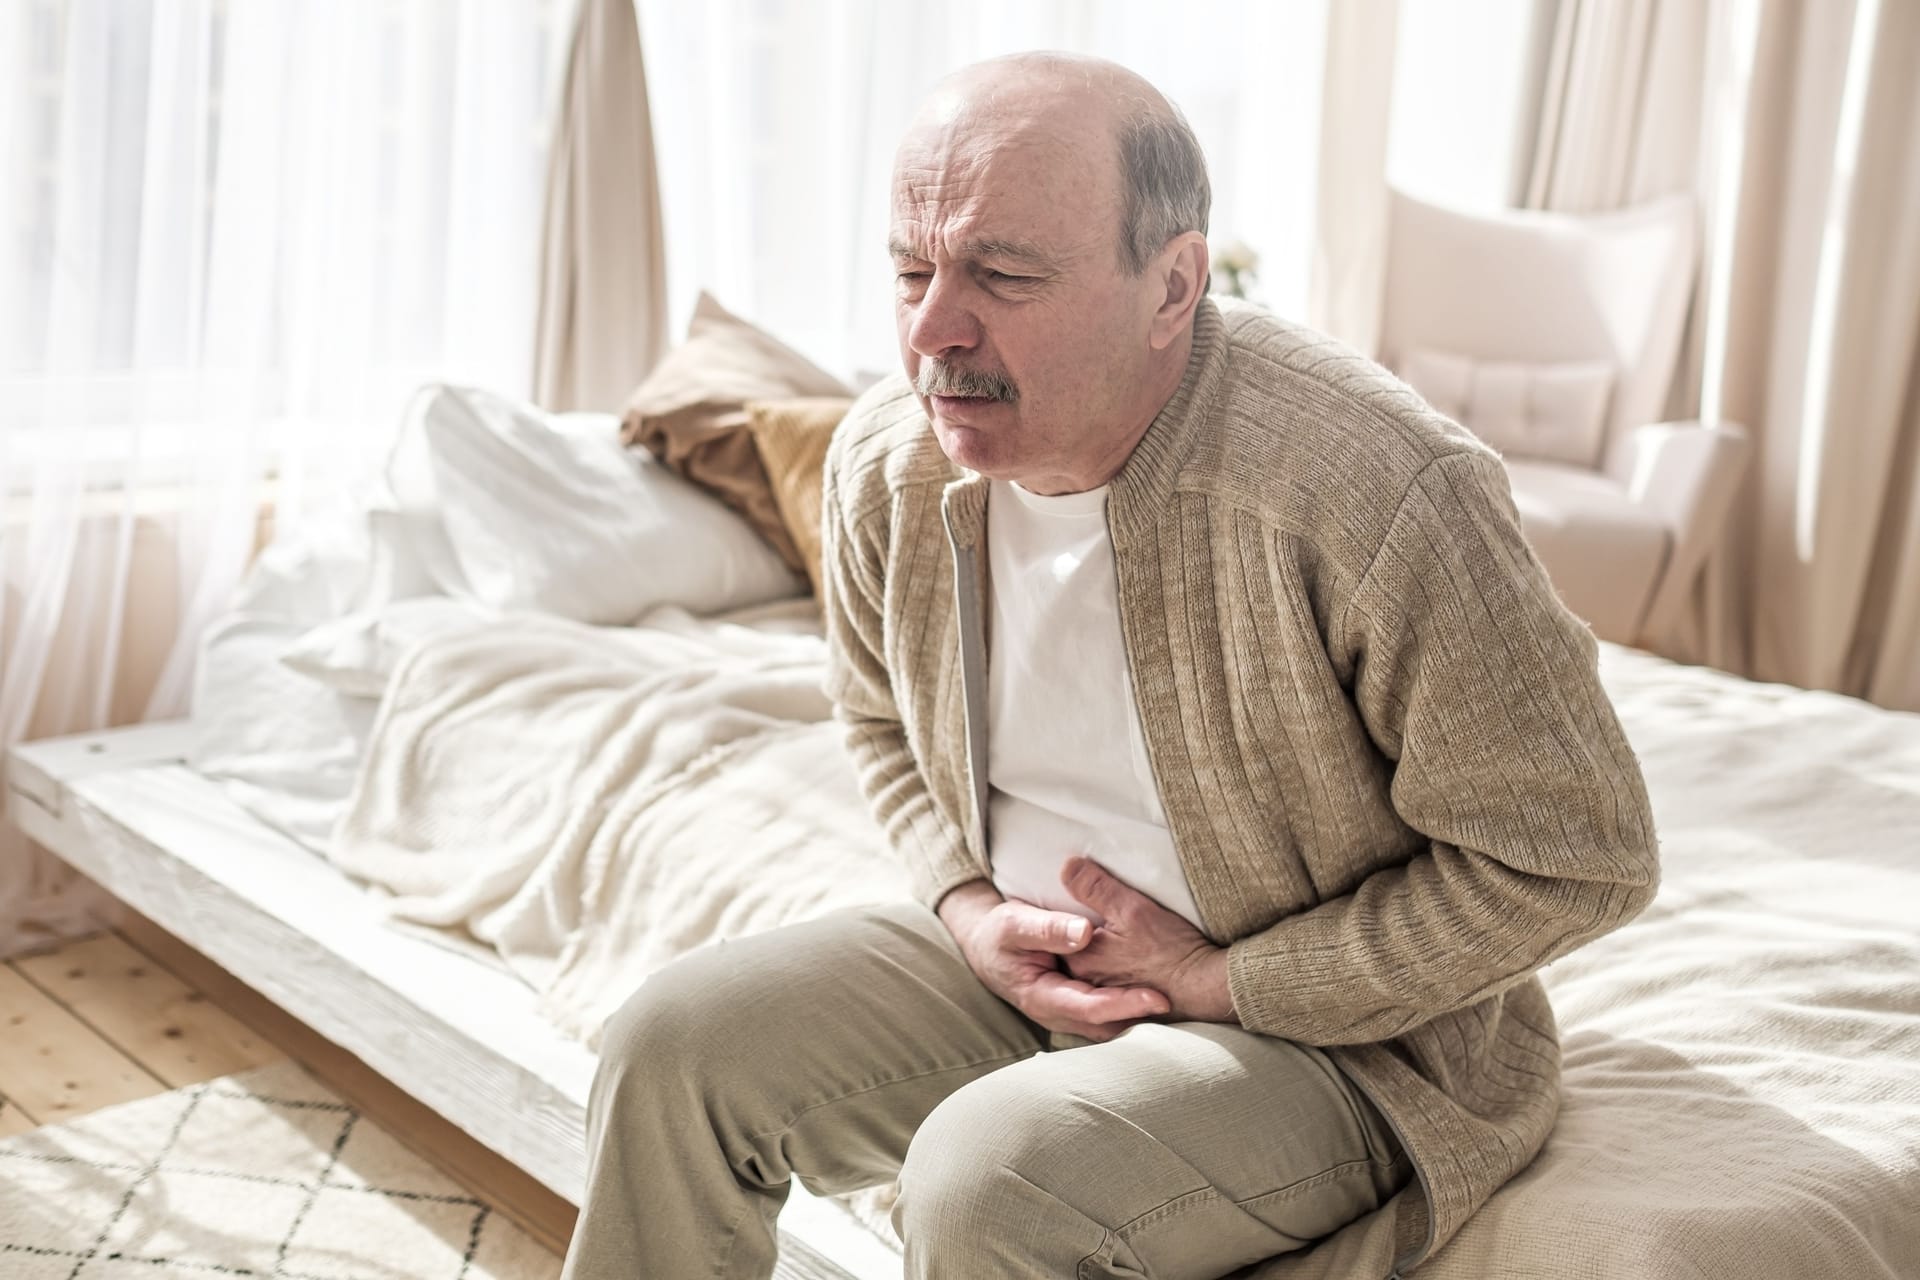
(914, 275)
(1003, 276)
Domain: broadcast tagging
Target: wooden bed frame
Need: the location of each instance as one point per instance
(460, 1035)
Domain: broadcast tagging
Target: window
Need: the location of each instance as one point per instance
(270, 220)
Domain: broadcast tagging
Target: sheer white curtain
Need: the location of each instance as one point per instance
(1466, 79)
(233, 234)
(776, 123)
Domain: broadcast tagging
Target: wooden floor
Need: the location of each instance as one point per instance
(131, 1011)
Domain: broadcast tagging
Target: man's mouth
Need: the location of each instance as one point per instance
(962, 408)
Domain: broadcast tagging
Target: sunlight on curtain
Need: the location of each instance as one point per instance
(233, 235)
(1460, 100)
(1811, 338)
(1730, 72)
(1826, 290)
(777, 121)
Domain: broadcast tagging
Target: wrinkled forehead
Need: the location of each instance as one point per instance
(1011, 178)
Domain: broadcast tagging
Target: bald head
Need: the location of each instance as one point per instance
(1131, 143)
(1049, 246)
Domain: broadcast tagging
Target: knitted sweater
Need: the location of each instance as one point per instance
(1391, 774)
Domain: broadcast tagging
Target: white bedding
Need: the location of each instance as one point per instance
(1742, 1063)
(596, 801)
(486, 508)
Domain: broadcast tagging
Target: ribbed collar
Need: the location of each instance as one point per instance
(1146, 481)
(1141, 488)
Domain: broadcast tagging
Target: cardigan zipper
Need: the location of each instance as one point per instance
(972, 679)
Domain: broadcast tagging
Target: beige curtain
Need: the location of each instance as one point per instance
(1347, 281)
(1812, 338)
(602, 321)
(1620, 104)
(1794, 122)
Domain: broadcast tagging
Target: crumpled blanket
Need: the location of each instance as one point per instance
(593, 802)
(1741, 1063)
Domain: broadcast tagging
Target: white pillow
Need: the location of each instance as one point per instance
(1547, 412)
(410, 554)
(552, 513)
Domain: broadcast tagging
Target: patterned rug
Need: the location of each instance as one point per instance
(265, 1173)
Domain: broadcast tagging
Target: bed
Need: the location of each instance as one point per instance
(1741, 1062)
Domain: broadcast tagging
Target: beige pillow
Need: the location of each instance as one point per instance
(691, 413)
(792, 437)
(1547, 412)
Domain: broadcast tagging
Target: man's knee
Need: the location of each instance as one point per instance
(728, 1020)
(990, 1153)
(682, 1019)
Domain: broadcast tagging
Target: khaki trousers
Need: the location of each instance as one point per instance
(859, 1046)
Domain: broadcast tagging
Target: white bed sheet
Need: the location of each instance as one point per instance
(1742, 1062)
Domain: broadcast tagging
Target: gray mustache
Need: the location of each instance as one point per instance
(938, 378)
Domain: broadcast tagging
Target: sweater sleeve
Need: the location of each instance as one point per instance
(1483, 690)
(933, 847)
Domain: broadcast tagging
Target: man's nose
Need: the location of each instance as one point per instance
(943, 318)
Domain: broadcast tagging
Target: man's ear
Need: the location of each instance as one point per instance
(1182, 268)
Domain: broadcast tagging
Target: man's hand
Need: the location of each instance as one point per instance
(1144, 943)
(1015, 947)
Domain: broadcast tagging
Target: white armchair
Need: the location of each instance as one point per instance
(1553, 337)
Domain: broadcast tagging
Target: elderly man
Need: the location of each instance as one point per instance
(1244, 762)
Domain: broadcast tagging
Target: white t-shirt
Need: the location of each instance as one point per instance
(1067, 768)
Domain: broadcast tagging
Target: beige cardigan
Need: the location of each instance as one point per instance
(1391, 774)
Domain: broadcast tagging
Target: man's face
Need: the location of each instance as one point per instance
(1021, 330)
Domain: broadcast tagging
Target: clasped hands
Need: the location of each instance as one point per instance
(1145, 963)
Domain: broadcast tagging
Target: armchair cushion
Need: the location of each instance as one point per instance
(1547, 412)
(1603, 552)
(1546, 287)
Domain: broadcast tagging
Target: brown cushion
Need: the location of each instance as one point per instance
(792, 438)
(690, 412)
